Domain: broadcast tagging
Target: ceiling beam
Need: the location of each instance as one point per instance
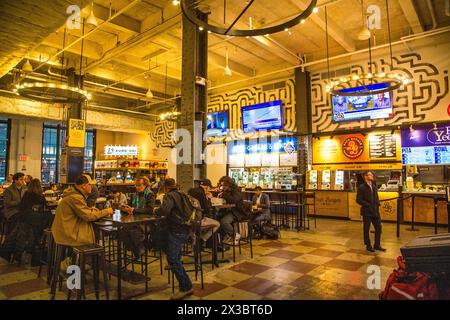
(334, 30)
(411, 15)
(272, 47)
(121, 23)
(134, 41)
(91, 49)
(220, 61)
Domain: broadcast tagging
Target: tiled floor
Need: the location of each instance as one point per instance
(326, 263)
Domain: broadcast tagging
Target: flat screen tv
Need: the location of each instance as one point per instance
(364, 107)
(264, 116)
(217, 123)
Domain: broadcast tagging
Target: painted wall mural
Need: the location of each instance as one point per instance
(423, 100)
(162, 135)
(234, 101)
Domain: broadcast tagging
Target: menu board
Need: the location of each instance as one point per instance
(426, 145)
(418, 155)
(287, 159)
(442, 155)
(270, 160)
(382, 146)
(253, 160)
(236, 160)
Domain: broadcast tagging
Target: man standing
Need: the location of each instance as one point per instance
(12, 197)
(176, 235)
(367, 197)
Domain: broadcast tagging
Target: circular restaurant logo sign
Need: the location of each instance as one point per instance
(352, 147)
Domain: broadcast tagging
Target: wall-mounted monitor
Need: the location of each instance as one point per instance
(217, 123)
(264, 116)
(364, 107)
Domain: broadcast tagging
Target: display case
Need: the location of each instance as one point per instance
(125, 171)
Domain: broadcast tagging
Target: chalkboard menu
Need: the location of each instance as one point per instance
(426, 145)
(382, 146)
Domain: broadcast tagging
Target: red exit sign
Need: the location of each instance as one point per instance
(23, 157)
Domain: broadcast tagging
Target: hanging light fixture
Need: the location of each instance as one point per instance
(364, 33)
(50, 92)
(27, 67)
(371, 83)
(228, 71)
(91, 19)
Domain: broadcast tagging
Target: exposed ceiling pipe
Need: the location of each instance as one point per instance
(447, 8)
(433, 14)
(94, 106)
(402, 40)
(118, 13)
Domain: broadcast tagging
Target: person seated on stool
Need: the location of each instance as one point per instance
(72, 225)
(203, 195)
(232, 195)
(261, 202)
(143, 202)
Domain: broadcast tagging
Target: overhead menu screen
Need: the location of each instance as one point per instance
(264, 116)
(426, 145)
(382, 146)
(356, 107)
(418, 156)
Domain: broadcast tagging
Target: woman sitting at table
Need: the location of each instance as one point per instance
(260, 202)
(142, 203)
(32, 223)
(232, 195)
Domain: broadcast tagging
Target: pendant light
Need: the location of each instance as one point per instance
(27, 67)
(228, 71)
(364, 33)
(91, 19)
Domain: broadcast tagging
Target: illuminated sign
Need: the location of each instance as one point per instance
(121, 151)
(285, 144)
(426, 145)
(353, 147)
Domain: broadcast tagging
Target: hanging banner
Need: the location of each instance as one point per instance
(77, 131)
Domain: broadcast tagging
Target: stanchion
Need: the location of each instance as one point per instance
(399, 209)
(412, 215)
(447, 189)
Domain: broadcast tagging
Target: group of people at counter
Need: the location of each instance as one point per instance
(26, 215)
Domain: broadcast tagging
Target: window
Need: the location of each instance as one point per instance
(5, 126)
(51, 152)
(89, 151)
(52, 144)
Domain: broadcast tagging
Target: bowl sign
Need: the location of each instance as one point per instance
(353, 147)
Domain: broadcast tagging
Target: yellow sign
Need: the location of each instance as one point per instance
(359, 166)
(357, 148)
(77, 131)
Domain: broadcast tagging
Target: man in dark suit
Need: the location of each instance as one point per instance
(367, 197)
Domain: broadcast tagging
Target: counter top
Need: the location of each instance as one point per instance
(431, 193)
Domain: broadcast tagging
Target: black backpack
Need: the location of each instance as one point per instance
(189, 209)
(270, 231)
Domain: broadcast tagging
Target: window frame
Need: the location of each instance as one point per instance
(8, 122)
(60, 130)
